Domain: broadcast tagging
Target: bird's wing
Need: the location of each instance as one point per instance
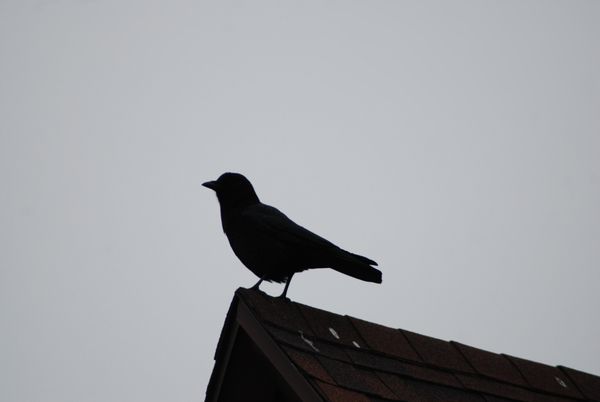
(271, 221)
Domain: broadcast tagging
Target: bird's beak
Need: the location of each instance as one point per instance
(211, 184)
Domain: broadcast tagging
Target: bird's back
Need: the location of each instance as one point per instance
(273, 246)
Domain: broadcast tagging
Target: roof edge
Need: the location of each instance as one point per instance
(274, 354)
(240, 315)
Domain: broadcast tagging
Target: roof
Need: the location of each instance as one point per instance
(276, 350)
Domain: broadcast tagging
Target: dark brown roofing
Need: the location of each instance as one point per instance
(301, 353)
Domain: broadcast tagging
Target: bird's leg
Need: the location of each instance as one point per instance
(257, 284)
(287, 285)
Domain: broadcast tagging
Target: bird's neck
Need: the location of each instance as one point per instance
(231, 213)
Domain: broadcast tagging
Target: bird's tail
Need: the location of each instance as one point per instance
(357, 266)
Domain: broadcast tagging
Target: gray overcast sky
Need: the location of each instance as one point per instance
(456, 143)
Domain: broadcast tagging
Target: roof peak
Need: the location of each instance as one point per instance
(360, 360)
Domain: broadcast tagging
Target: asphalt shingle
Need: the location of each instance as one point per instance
(338, 394)
(332, 327)
(437, 352)
(588, 384)
(491, 364)
(547, 378)
(352, 360)
(385, 340)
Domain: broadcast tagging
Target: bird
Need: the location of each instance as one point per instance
(273, 246)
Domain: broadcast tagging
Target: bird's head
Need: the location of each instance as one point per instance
(233, 190)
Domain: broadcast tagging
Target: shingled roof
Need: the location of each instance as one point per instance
(276, 350)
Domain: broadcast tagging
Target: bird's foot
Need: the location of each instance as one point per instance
(285, 289)
(256, 285)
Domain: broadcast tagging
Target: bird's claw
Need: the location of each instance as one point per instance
(257, 285)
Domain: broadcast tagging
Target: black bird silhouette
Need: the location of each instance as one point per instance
(271, 245)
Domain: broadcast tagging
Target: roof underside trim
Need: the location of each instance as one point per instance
(275, 355)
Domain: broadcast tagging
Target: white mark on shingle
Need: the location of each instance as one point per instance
(334, 333)
(308, 341)
(356, 344)
(561, 382)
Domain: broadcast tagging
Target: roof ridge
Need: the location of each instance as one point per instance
(565, 372)
(453, 344)
(341, 340)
